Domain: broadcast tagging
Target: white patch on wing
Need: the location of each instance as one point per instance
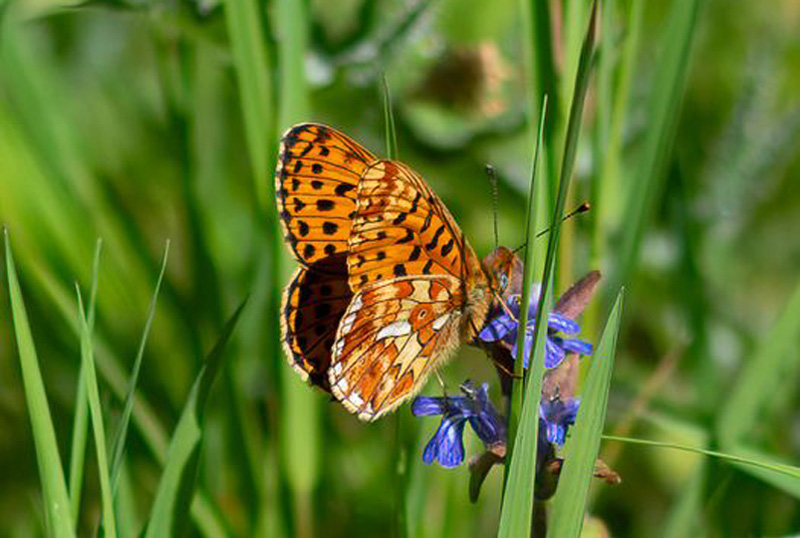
(337, 350)
(398, 328)
(356, 400)
(347, 322)
(439, 322)
(342, 385)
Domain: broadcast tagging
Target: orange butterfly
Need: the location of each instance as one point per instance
(388, 286)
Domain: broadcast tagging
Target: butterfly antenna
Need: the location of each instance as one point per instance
(493, 181)
(583, 208)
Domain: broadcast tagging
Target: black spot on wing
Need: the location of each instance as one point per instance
(343, 188)
(435, 240)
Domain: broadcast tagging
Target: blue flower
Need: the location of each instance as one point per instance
(504, 327)
(557, 416)
(447, 444)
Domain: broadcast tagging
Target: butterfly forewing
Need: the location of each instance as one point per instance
(402, 228)
(316, 182)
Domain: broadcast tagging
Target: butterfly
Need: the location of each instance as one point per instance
(388, 286)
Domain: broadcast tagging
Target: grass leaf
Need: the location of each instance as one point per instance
(774, 359)
(124, 421)
(645, 185)
(56, 500)
(516, 512)
(388, 121)
(96, 414)
(80, 421)
(250, 58)
(171, 505)
(569, 503)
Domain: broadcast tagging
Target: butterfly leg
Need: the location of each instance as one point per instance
(441, 382)
(502, 367)
(504, 306)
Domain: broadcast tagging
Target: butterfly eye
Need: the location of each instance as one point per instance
(503, 281)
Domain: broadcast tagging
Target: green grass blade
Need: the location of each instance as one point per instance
(208, 520)
(745, 457)
(56, 500)
(515, 515)
(388, 121)
(121, 433)
(246, 34)
(98, 428)
(569, 503)
(176, 487)
(300, 425)
(663, 119)
(774, 360)
(784, 477)
(541, 76)
(80, 421)
(518, 386)
(80, 430)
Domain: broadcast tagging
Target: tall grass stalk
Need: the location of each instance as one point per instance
(54, 488)
(80, 419)
(98, 426)
(569, 504)
(643, 188)
(121, 433)
(515, 515)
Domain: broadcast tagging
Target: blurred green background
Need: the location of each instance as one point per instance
(142, 121)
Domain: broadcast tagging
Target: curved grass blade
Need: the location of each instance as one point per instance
(246, 34)
(121, 434)
(80, 422)
(516, 512)
(96, 414)
(170, 511)
(569, 503)
(745, 457)
(664, 109)
(56, 500)
(388, 121)
(773, 361)
(518, 387)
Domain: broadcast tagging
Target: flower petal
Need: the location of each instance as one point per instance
(426, 406)
(557, 322)
(573, 345)
(497, 328)
(553, 354)
(449, 440)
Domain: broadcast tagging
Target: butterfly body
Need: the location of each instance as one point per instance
(388, 286)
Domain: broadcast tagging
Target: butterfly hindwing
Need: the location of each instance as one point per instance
(316, 180)
(313, 304)
(391, 337)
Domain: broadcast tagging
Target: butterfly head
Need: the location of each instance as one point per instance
(504, 269)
